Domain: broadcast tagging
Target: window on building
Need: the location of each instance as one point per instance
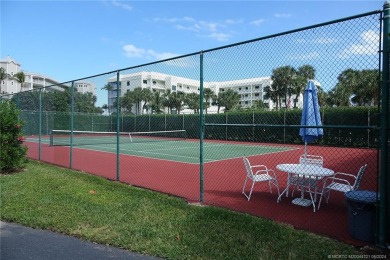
(128, 83)
(145, 81)
(222, 89)
(257, 87)
(154, 82)
(239, 88)
(246, 102)
(173, 88)
(257, 94)
(246, 88)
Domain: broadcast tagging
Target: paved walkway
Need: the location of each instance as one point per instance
(19, 242)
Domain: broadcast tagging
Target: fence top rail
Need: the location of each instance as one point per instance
(214, 49)
(296, 126)
(297, 30)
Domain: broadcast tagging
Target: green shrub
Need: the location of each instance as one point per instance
(12, 152)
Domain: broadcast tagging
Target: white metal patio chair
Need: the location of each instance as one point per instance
(307, 182)
(342, 182)
(258, 173)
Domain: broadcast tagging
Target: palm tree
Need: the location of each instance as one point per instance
(347, 82)
(283, 81)
(157, 102)
(137, 96)
(168, 100)
(304, 73)
(208, 96)
(146, 98)
(108, 87)
(193, 102)
(3, 76)
(127, 101)
(228, 99)
(178, 100)
(273, 94)
(366, 91)
(259, 104)
(21, 78)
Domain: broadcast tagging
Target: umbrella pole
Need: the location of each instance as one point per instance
(305, 151)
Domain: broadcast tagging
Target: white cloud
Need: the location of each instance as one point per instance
(122, 5)
(369, 42)
(257, 22)
(162, 55)
(233, 21)
(211, 29)
(325, 40)
(219, 36)
(282, 15)
(132, 51)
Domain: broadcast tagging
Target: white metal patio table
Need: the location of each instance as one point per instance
(306, 171)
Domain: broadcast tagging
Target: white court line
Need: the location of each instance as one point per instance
(187, 157)
(147, 152)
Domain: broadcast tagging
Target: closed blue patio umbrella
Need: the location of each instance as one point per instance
(310, 115)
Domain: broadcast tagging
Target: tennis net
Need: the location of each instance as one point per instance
(76, 138)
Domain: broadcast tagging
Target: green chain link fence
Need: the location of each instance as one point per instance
(207, 164)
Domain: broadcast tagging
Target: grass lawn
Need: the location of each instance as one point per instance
(116, 214)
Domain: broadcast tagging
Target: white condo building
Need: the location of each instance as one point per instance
(85, 87)
(33, 81)
(250, 89)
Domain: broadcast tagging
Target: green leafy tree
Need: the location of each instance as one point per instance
(354, 86)
(304, 73)
(12, 152)
(259, 105)
(85, 103)
(157, 102)
(193, 102)
(168, 100)
(367, 89)
(137, 97)
(127, 102)
(283, 82)
(178, 99)
(147, 97)
(228, 99)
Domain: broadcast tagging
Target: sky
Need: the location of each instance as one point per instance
(68, 40)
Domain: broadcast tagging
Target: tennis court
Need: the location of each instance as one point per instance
(164, 145)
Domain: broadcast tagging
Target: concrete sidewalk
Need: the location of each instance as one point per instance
(19, 242)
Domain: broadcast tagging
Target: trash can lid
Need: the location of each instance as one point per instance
(363, 196)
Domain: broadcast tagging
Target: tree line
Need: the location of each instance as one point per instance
(156, 101)
(353, 88)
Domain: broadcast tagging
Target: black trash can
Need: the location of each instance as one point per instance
(361, 214)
